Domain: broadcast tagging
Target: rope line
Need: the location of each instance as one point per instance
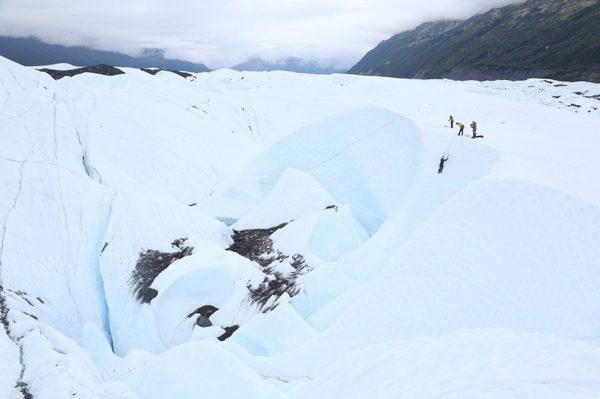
(446, 153)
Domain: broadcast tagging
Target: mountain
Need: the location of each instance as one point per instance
(287, 236)
(291, 64)
(557, 39)
(34, 52)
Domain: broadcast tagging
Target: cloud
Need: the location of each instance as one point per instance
(224, 32)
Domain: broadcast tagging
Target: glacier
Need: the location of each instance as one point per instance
(279, 235)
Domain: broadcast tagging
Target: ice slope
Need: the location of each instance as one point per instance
(273, 333)
(479, 282)
(491, 363)
(134, 120)
(541, 276)
(53, 219)
(53, 214)
(199, 368)
(468, 161)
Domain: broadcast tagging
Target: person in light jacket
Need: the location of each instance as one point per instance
(474, 127)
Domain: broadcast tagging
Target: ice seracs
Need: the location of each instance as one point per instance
(139, 224)
(295, 194)
(321, 236)
(365, 158)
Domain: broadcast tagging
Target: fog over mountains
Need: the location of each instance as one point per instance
(34, 52)
(538, 38)
(291, 64)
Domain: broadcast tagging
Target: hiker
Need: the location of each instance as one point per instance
(473, 126)
(442, 160)
(451, 120)
(461, 128)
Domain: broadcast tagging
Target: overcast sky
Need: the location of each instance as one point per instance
(224, 32)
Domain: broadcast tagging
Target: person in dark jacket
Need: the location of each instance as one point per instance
(451, 120)
(442, 161)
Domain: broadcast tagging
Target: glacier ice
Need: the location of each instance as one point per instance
(347, 267)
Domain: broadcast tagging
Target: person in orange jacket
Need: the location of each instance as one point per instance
(461, 128)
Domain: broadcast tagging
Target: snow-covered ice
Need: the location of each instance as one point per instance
(279, 235)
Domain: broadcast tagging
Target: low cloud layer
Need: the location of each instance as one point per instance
(221, 33)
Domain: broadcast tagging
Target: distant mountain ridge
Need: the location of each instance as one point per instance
(34, 52)
(557, 39)
(291, 64)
